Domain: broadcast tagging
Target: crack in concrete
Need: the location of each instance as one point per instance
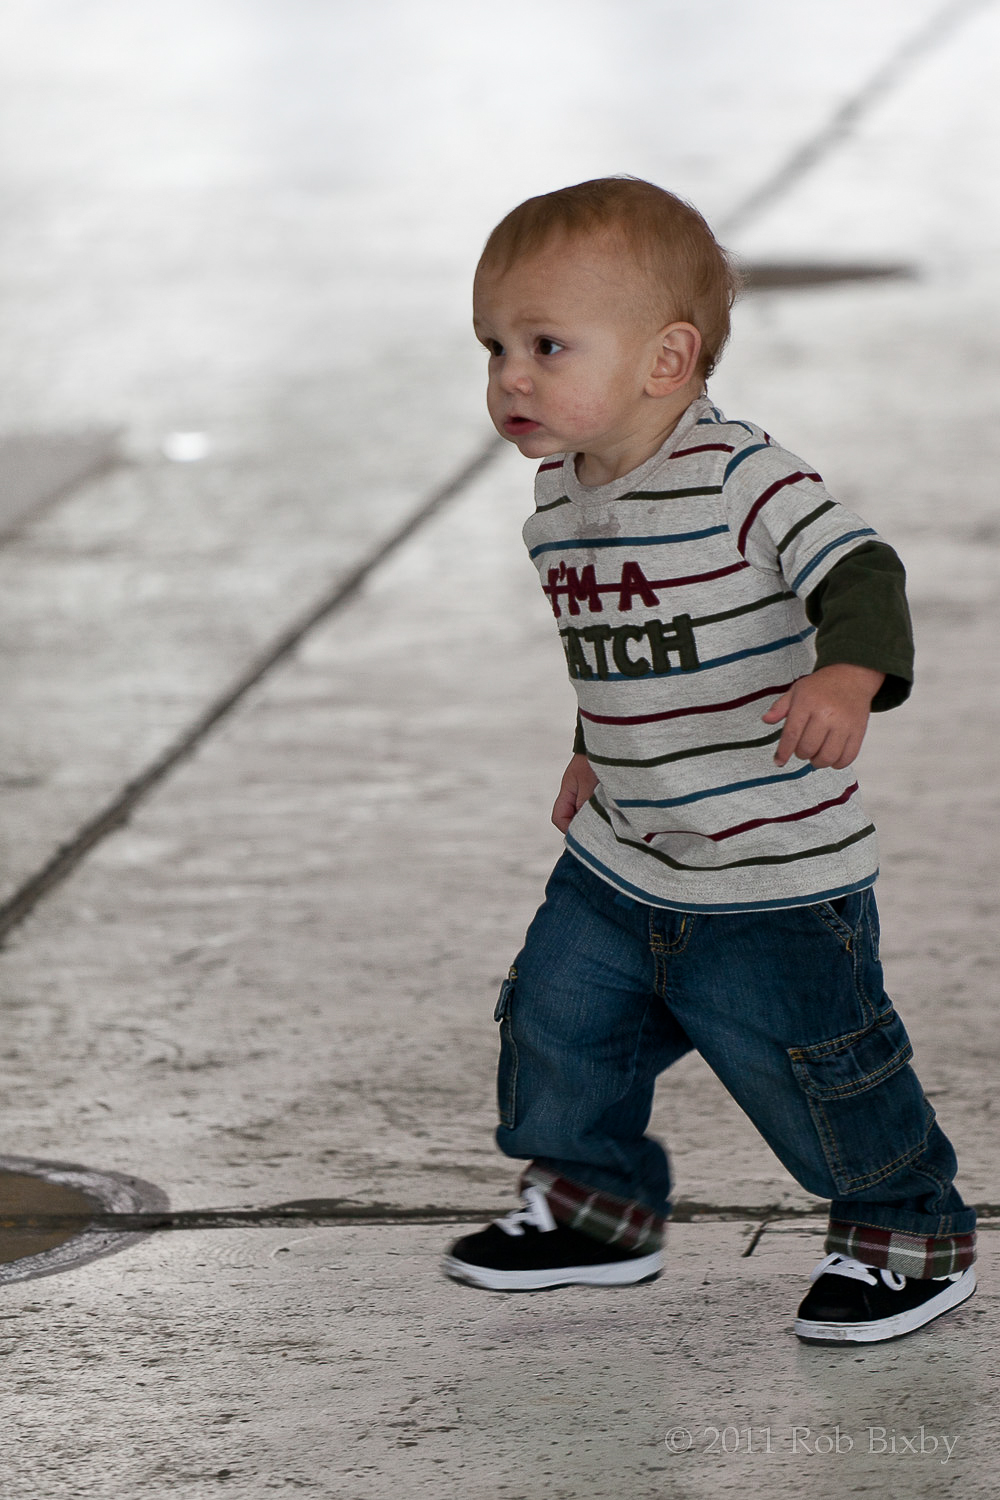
(756, 1237)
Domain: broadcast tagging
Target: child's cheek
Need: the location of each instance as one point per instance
(493, 398)
(585, 410)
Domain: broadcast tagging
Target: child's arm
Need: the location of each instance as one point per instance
(864, 652)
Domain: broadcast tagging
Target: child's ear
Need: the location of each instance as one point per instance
(676, 359)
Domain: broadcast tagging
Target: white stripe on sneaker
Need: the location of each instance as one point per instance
(612, 1273)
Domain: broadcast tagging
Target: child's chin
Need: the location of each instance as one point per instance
(535, 444)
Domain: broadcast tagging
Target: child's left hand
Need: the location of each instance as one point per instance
(826, 715)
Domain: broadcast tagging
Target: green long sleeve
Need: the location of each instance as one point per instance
(862, 618)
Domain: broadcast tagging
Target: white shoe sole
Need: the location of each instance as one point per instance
(955, 1292)
(614, 1273)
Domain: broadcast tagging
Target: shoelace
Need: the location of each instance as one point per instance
(536, 1212)
(856, 1270)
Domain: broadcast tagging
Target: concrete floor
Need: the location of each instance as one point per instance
(275, 983)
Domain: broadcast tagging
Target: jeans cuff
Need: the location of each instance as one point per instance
(915, 1255)
(605, 1217)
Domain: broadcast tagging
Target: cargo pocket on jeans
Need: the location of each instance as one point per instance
(866, 1102)
(507, 1066)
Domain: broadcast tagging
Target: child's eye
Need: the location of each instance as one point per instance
(493, 347)
(548, 346)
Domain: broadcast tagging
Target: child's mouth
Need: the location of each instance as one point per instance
(517, 426)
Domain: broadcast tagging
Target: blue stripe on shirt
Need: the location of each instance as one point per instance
(718, 420)
(851, 536)
(739, 458)
(623, 541)
(715, 791)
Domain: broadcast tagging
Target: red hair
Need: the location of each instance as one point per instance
(689, 276)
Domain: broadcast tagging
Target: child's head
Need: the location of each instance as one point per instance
(613, 297)
(686, 275)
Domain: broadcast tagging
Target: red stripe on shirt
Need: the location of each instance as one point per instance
(704, 448)
(676, 583)
(554, 590)
(759, 504)
(808, 812)
(543, 467)
(680, 713)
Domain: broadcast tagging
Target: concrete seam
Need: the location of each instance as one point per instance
(278, 1217)
(119, 809)
(847, 115)
(101, 462)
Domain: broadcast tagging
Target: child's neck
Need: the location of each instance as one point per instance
(605, 466)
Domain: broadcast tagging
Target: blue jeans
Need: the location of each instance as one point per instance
(788, 1009)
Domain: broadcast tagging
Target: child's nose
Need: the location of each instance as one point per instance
(514, 375)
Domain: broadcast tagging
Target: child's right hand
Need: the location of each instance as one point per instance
(577, 787)
(826, 715)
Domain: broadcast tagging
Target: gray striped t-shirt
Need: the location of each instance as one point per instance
(678, 592)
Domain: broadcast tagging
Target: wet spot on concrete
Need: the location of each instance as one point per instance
(37, 469)
(51, 1215)
(31, 1208)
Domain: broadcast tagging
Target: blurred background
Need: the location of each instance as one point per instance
(261, 219)
(234, 287)
(236, 359)
(287, 840)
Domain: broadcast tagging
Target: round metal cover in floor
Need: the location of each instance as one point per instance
(55, 1215)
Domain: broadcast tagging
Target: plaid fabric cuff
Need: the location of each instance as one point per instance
(914, 1255)
(614, 1221)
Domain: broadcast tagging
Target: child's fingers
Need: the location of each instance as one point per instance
(796, 732)
(821, 732)
(779, 708)
(823, 747)
(849, 751)
(566, 807)
(788, 745)
(563, 812)
(807, 738)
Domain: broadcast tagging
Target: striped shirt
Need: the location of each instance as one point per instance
(678, 592)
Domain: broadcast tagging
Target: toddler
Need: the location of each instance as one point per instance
(728, 628)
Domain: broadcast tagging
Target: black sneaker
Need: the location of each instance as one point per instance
(850, 1302)
(527, 1251)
